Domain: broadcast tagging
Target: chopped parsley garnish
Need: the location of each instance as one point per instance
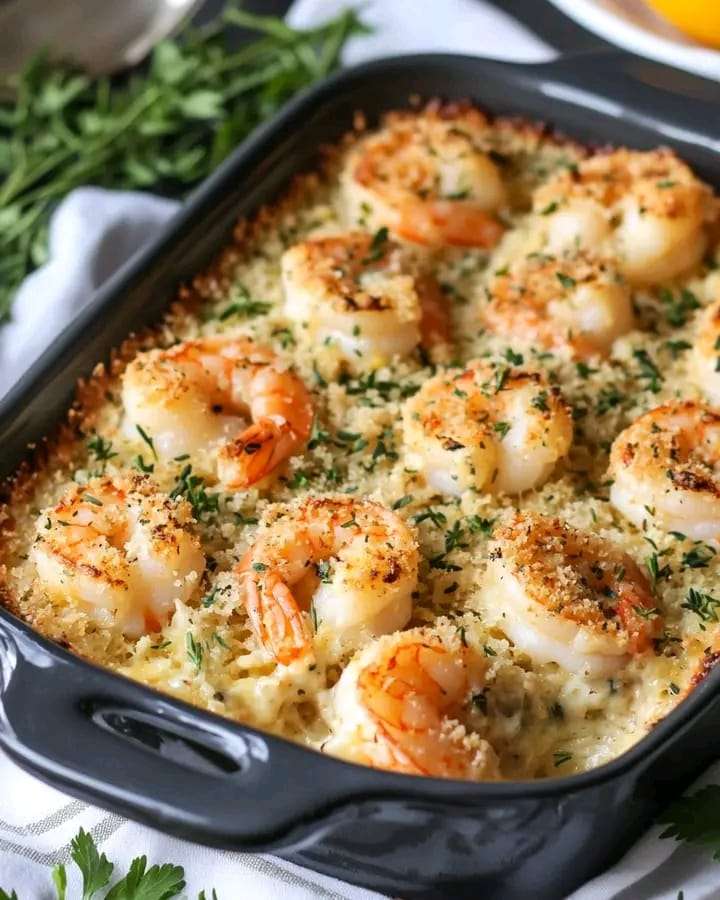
(140, 464)
(705, 606)
(648, 370)
(101, 449)
(656, 571)
(515, 359)
(192, 488)
(549, 209)
(501, 376)
(209, 599)
(298, 480)
(454, 538)
(540, 402)
(319, 380)
(403, 501)
(440, 562)
(646, 612)
(437, 517)
(242, 305)
(698, 557)
(584, 370)
(194, 650)
(678, 308)
(565, 280)
(560, 757)
(148, 440)
(608, 398)
(285, 336)
(677, 347)
(502, 428)
(479, 525)
(377, 246)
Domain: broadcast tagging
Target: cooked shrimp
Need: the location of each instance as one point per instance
(666, 469)
(396, 706)
(705, 357)
(578, 303)
(120, 549)
(351, 563)
(427, 178)
(486, 428)
(366, 295)
(196, 396)
(568, 597)
(647, 209)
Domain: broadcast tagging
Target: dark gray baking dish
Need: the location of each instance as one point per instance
(125, 747)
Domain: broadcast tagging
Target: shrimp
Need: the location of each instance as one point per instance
(195, 396)
(646, 209)
(396, 706)
(352, 563)
(486, 428)
(665, 467)
(578, 303)
(366, 295)
(569, 597)
(120, 549)
(705, 356)
(427, 178)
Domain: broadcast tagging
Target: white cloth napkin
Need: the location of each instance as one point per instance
(92, 232)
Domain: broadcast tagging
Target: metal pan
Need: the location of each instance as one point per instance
(125, 747)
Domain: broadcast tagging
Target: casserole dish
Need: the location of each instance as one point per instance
(172, 766)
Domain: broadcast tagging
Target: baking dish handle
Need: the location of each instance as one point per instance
(651, 96)
(117, 743)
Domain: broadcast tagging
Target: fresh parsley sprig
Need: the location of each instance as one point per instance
(158, 882)
(164, 127)
(695, 819)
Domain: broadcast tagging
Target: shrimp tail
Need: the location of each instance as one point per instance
(454, 222)
(276, 619)
(255, 453)
(640, 619)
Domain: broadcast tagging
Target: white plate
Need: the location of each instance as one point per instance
(633, 25)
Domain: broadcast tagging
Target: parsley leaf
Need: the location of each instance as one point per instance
(95, 867)
(155, 883)
(695, 819)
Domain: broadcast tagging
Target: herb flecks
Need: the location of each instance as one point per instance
(192, 488)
